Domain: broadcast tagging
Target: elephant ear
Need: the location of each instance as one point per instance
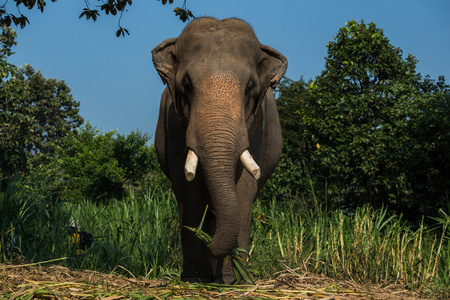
(272, 67)
(165, 62)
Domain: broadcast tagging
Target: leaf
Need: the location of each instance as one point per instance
(82, 13)
(30, 4)
(239, 268)
(122, 32)
(6, 21)
(41, 4)
(90, 13)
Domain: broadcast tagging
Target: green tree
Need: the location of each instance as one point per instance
(291, 175)
(102, 166)
(54, 111)
(89, 167)
(367, 118)
(133, 155)
(139, 162)
(113, 7)
(363, 102)
(428, 160)
(36, 113)
(13, 126)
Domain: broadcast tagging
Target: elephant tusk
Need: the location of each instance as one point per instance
(250, 165)
(191, 165)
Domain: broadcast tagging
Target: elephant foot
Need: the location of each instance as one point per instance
(228, 278)
(195, 279)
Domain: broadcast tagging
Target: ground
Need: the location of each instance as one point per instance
(29, 281)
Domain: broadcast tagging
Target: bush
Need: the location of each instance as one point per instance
(102, 166)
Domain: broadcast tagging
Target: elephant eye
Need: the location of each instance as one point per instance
(187, 85)
(251, 93)
(250, 88)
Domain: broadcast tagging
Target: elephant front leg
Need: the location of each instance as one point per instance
(198, 265)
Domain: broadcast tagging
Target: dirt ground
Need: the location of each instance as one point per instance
(28, 281)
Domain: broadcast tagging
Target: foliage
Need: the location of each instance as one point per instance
(8, 40)
(291, 175)
(139, 161)
(11, 156)
(136, 233)
(100, 165)
(36, 113)
(369, 129)
(365, 246)
(33, 224)
(107, 7)
(364, 101)
(89, 168)
(427, 161)
(140, 235)
(133, 155)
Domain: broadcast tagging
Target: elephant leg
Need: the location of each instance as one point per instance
(197, 265)
(247, 191)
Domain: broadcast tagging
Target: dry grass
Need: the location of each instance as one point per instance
(30, 281)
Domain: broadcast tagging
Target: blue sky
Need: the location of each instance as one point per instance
(119, 89)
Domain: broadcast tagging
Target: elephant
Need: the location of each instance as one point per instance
(218, 136)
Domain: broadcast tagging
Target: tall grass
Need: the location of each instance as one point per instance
(134, 235)
(32, 222)
(139, 235)
(365, 246)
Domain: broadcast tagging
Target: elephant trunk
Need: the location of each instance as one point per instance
(219, 171)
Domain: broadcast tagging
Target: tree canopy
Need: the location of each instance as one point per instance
(100, 165)
(368, 129)
(41, 135)
(35, 114)
(90, 12)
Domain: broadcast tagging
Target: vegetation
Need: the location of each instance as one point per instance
(139, 234)
(361, 191)
(113, 7)
(41, 135)
(365, 246)
(36, 113)
(368, 130)
(101, 166)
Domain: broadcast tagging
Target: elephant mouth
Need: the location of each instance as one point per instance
(246, 159)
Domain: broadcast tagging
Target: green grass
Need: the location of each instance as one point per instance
(366, 246)
(139, 235)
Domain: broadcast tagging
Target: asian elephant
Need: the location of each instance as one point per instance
(218, 136)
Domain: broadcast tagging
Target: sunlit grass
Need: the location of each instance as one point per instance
(365, 246)
(139, 235)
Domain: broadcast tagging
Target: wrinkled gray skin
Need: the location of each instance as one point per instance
(218, 103)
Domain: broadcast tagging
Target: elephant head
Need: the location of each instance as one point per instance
(218, 73)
